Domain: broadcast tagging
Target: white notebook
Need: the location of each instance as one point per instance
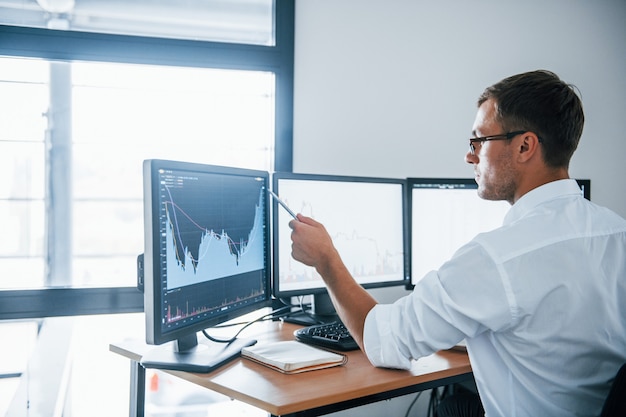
(292, 357)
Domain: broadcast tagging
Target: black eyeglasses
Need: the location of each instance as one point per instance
(501, 136)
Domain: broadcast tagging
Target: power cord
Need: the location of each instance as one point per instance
(301, 308)
(435, 399)
(268, 316)
(433, 402)
(304, 310)
(408, 410)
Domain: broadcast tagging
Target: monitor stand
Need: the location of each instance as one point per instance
(322, 311)
(186, 354)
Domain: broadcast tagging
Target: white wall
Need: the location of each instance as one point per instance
(388, 87)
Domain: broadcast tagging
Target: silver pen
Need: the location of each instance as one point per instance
(282, 203)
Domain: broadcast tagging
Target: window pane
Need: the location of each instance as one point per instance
(82, 225)
(23, 221)
(22, 167)
(15, 70)
(239, 21)
(105, 271)
(124, 114)
(22, 215)
(108, 236)
(22, 246)
(111, 171)
(197, 115)
(22, 272)
(22, 116)
(24, 92)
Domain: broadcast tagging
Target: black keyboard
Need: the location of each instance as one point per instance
(333, 335)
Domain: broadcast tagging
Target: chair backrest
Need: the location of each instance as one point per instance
(615, 404)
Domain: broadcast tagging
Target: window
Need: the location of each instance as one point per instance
(74, 196)
(239, 21)
(22, 164)
(84, 111)
(78, 114)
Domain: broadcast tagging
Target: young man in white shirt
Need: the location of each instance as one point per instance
(539, 301)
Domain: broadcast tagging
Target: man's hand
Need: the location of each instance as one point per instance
(311, 243)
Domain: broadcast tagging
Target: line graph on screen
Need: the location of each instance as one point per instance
(208, 242)
(364, 221)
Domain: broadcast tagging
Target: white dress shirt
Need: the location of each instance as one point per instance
(541, 302)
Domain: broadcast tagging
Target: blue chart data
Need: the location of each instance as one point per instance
(211, 228)
(200, 248)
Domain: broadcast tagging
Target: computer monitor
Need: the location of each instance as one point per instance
(366, 220)
(446, 213)
(585, 188)
(206, 259)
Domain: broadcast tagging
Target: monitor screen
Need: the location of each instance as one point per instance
(206, 256)
(365, 218)
(446, 213)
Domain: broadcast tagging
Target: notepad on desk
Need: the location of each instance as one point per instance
(291, 357)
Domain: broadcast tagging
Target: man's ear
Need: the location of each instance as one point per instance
(528, 146)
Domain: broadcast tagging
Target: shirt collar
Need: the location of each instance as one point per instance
(539, 195)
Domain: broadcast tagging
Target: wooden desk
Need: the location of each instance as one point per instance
(307, 394)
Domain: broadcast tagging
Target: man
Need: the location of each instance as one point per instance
(540, 301)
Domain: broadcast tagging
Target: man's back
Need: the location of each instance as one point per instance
(563, 265)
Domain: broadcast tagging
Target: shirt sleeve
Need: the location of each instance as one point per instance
(462, 299)
(373, 336)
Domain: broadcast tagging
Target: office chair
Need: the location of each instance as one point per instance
(615, 403)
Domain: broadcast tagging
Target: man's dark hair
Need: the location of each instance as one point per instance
(539, 101)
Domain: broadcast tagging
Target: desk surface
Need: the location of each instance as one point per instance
(281, 394)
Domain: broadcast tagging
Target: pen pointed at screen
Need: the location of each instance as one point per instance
(282, 203)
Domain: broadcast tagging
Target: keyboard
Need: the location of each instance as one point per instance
(333, 335)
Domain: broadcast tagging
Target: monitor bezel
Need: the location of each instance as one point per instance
(152, 289)
(278, 176)
(585, 186)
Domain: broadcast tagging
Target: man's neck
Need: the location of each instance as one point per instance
(537, 179)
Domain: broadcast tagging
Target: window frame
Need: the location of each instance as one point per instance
(49, 44)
